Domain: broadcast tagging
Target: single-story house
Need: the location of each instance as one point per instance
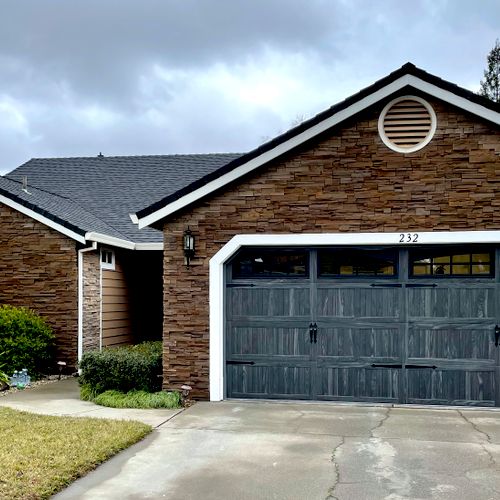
(354, 258)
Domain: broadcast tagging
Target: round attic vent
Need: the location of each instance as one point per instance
(407, 124)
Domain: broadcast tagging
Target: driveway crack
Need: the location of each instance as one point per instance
(483, 433)
(331, 490)
(381, 423)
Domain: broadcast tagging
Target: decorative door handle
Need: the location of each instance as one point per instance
(497, 335)
(311, 333)
(315, 332)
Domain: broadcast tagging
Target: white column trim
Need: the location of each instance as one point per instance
(217, 263)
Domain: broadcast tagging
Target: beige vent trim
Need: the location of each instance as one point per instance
(407, 124)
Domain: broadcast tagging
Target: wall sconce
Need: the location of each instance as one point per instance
(188, 244)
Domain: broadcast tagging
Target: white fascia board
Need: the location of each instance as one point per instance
(109, 240)
(315, 130)
(133, 218)
(456, 100)
(40, 218)
(217, 283)
(149, 246)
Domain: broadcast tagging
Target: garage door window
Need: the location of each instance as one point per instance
(255, 263)
(459, 262)
(357, 262)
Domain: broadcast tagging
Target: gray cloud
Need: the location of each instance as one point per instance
(157, 76)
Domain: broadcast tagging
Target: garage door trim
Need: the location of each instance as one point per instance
(218, 261)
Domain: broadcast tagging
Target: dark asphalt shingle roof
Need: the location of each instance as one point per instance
(110, 188)
(57, 208)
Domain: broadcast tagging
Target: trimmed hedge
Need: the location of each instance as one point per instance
(123, 369)
(26, 341)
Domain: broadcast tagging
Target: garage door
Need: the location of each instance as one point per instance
(363, 324)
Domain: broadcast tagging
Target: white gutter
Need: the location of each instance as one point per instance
(109, 240)
(149, 246)
(120, 243)
(80, 296)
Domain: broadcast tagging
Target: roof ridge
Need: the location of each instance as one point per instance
(114, 157)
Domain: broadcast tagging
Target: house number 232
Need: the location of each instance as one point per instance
(408, 237)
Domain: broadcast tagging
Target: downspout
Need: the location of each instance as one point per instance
(80, 296)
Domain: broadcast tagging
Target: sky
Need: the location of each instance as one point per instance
(138, 77)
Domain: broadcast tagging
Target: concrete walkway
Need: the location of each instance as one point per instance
(263, 450)
(62, 398)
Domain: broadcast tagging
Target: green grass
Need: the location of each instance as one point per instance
(39, 455)
(138, 399)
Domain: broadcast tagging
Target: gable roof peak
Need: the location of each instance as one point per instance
(407, 76)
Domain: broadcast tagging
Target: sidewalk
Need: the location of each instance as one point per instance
(62, 398)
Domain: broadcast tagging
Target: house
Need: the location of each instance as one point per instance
(354, 258)
(70, 250)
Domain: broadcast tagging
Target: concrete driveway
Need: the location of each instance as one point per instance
(260, 450)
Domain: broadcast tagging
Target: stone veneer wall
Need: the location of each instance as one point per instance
(348, 181)
(38, 269)
(91, 301)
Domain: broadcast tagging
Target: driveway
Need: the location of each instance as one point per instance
(261, 450)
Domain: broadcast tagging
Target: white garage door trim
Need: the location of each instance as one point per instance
(217, 262)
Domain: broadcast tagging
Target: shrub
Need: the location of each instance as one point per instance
(123, 369)
(138, 399)
(26, 341)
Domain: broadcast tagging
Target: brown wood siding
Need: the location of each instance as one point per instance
(116, 309)
(345, 181)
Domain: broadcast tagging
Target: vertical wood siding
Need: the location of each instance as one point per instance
(116, 307)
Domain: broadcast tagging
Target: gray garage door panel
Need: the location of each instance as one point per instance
(347, 301)
(359, 343)
(358, 384)
(267, 381)
(455, 387)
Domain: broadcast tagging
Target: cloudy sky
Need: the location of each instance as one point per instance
(132, 77)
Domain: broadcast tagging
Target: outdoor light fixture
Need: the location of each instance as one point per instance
(188, 246)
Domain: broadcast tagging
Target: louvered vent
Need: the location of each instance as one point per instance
(407, 124)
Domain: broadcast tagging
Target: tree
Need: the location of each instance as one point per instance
(490, 86)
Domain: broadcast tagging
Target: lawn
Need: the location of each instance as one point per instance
(39, 454)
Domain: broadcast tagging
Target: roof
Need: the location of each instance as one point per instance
(98, 194)
(71, 218)
(406, 77)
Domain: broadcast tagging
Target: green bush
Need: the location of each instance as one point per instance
(26, 341)
(123, 369)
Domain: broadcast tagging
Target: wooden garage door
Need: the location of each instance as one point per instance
(371, 324)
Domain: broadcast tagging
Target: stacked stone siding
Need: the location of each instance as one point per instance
(38, 269)
(91, 301)
(346, 181)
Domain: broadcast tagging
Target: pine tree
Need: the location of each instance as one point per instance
(490, 86)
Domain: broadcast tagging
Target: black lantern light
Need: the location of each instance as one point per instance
(188, 241)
